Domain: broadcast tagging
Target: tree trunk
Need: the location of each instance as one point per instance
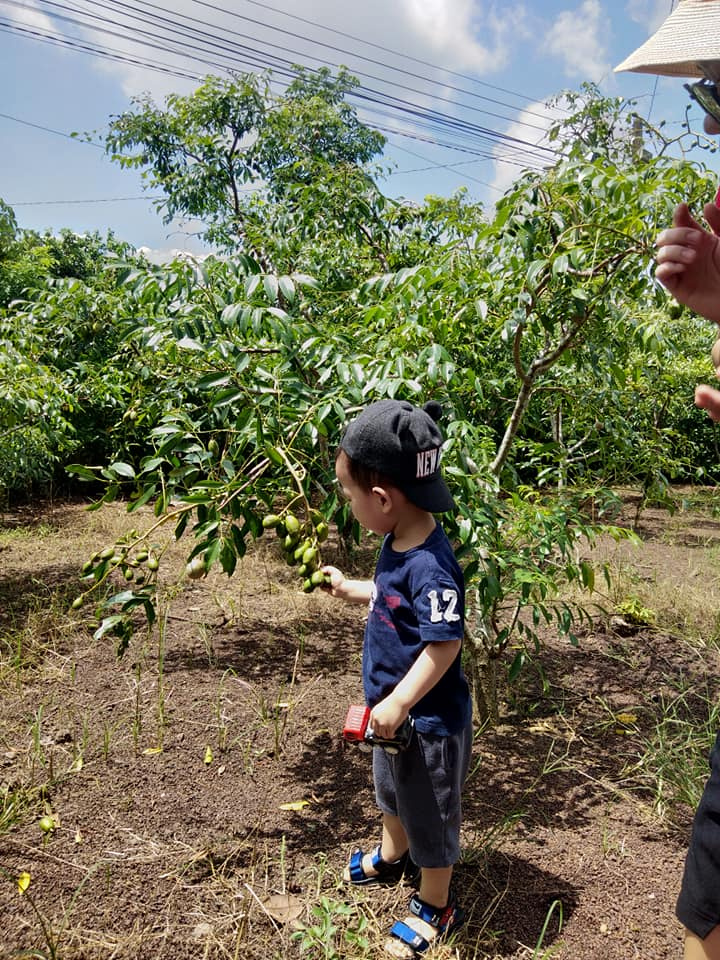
(483, 676)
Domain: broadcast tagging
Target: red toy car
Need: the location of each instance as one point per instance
(357, 730)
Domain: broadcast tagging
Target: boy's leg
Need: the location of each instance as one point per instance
(394, 843)
(435, 885)
(435, 891)
(707, 949)
(393, 846)
(394, 839)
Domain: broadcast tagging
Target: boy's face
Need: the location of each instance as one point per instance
(369, 507)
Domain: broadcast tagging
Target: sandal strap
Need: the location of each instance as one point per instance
(376, 859)
(355, 867)
(385, 870)
(411, 938)
(440, 918)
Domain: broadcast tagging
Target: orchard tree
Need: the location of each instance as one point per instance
(61, 385)
(206, 150)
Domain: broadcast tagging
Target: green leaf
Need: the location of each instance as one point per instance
(517, 665)
(287, 288)
(587, 574)
(108, 624)
(271, 287)
(121, 469)
(189, 343)
(147, 494)
(85, 473)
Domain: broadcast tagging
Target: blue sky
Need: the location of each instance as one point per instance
(485, 63)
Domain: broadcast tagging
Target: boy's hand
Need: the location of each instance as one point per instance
(354, 591)
(386, 717)
(337, 579)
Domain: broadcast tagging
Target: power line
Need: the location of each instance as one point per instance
(255, 57)
(507, 148)
(441, 166)
(50, 203)
(59, 133)
(225, 47)
(102, 53)
(360, 56)
(378, 46)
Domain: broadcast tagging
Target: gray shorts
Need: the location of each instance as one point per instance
(422, 786)
(698, 906)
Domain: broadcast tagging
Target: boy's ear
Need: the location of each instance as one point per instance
(384, 498)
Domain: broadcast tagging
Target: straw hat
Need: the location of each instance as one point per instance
(689, 37)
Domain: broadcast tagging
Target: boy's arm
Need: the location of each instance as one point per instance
(354, 591)
(432, 662)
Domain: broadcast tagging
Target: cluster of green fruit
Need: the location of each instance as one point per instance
(138, 567)
(300, 544)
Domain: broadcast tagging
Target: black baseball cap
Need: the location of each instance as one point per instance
(404, 443)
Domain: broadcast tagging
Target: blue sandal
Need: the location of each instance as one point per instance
(444, 921)
(385, 872)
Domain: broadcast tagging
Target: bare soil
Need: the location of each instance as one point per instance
(169, 772)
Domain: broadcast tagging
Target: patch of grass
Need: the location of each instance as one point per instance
(673, 765)
(10, 536)
(46, 626)
(17, 804)
(685, 602)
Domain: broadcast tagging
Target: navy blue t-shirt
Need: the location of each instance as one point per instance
(418, 598)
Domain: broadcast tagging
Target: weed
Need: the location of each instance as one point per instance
(332, 930)
(673, 765)
(17, 804)
(52, 937)
(555, 906)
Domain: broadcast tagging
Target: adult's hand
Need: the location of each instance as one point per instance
(688, 261)
(707, 398)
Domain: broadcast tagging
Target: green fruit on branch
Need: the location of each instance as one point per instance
(318, 578)
(321, 531)
(292, 524)
(271, 521)
(308, 586)
(309, 554)
(153, 563)
(300, 550)
(78, 602)
(196, 568)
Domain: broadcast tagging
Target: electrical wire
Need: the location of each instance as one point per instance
(251, 55)
(181, 40)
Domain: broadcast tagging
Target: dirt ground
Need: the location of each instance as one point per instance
(168, 773)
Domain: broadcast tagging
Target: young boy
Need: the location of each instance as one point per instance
(388, 467)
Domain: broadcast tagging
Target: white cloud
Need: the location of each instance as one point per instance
(29, 16)
(451, 30)
(577, 38)
(648, 13)
(168, 254)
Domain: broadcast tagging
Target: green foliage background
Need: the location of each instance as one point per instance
(217, 390)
